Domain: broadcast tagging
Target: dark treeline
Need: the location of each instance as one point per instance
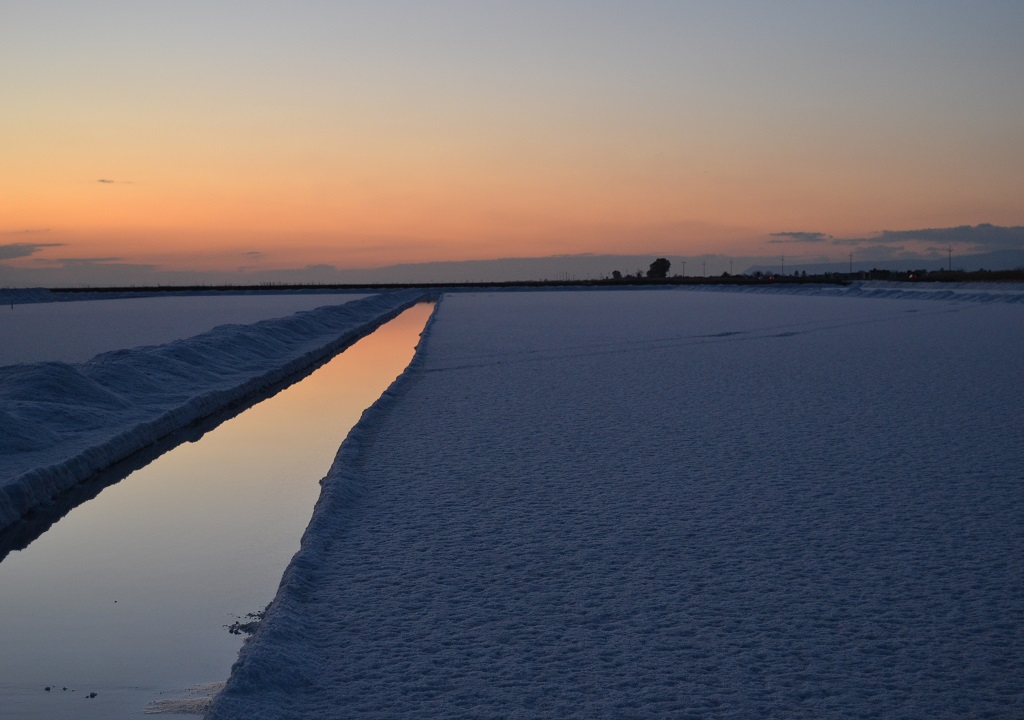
(617, 279)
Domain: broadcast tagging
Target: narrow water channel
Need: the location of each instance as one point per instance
(129, 596)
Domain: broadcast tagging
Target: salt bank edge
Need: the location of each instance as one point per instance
(337, 489)
(61, 423)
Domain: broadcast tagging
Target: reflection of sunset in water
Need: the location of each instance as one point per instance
(133, 589)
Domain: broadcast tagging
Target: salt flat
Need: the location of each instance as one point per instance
(668, 504)
(76, 331)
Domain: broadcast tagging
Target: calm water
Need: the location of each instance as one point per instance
(129, 595)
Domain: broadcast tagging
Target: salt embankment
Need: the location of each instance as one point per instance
(62, 422)
(668, 504)
(78, 331)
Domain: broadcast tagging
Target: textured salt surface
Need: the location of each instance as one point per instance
(76, 331)
(668, 504)
(61, 422)
(944, 292)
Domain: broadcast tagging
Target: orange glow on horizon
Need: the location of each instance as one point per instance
(357, 137)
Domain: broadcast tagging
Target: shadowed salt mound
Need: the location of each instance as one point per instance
(22, 435)
(63, 422)
(55, 382)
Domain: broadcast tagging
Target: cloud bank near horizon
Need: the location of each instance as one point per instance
(798, 237)
(12, 251)
(984, 236)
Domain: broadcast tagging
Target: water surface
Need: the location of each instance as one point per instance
(128, 596)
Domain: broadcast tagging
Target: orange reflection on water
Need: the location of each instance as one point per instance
(131, 592)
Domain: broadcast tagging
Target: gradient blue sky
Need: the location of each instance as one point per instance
(247, 136)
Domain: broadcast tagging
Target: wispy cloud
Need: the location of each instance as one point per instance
(985, 235)
(11, 251)
(27, 231)
(253, 254)
(108, 181)
(798, 236)
(84, 262)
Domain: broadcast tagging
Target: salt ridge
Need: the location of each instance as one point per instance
(62, 422)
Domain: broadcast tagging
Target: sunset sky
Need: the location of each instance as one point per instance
(240, 136)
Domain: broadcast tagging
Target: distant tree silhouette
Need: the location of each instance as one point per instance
(659, 268)
(616, 275)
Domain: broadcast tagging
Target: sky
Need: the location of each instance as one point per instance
(240, 138)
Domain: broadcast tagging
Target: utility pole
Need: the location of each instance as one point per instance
(950, 250)
(684, 268)
(783, 270)
(704, 269)
(730, 267)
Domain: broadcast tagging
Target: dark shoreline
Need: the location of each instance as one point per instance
(911, 277)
